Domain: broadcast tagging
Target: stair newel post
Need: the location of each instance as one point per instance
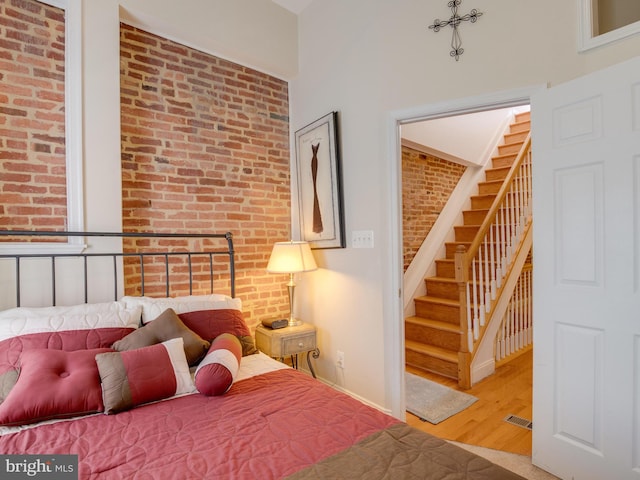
(466, 337)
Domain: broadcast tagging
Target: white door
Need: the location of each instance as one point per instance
(586, 157)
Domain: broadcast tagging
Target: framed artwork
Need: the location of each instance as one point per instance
(319, 184)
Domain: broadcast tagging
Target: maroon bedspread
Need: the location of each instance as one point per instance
(265, 427)
(276, 425)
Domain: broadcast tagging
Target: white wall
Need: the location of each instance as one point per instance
(369, 59)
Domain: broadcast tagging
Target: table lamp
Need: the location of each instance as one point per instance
(291, 257)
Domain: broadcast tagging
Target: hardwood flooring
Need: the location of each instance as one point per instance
(507, 392)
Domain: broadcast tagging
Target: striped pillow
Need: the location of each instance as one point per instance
(134, 377)
(218, 369)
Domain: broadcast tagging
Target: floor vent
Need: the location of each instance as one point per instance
(519, 421)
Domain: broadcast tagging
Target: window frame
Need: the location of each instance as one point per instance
(73, 136)
(587, 41)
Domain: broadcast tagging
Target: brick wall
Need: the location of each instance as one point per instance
(427, 183)
(205, 148)
(32, 124)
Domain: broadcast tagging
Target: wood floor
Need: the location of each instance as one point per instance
(507, 392)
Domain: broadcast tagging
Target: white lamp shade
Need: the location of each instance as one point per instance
(291, 257)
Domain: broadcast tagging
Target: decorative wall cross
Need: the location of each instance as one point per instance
(453, 22)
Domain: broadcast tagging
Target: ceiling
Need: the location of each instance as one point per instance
(295, 6)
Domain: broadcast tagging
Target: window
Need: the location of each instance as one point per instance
(605, 21)
(25, 43)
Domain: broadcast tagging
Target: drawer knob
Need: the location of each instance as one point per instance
(300, 344)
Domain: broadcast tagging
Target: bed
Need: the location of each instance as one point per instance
(155, 387)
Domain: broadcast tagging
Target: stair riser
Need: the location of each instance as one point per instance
(436, 288)
(432, 336)
(523, 126)
(466, 233)
(515, 137)
(447, 290)
(482, 201)
(431, 364)
(445, 269)
(450, 249)
(474, 217)
(494, 174)
(509, 148)
(485, 188)
(436, 311)
(503, 161)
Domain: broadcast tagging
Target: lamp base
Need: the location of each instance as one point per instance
(294, 322)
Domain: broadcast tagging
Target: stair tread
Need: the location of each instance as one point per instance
(501, 156)
(483, 195)
(495, 169)
(486, 182)
(477, 210)
(441, 301)
(442, 353)
(511, 144)
(437, 324)
(458, 243)
(436, 278)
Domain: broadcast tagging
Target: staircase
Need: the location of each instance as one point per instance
(445, 327)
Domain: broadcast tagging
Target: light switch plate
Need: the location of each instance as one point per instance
(362, 239)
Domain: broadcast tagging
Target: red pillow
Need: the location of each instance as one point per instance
(210, 324)
(218, 369)
(69, 340)
(54, 384)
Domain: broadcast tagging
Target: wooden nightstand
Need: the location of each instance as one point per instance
(282, 342)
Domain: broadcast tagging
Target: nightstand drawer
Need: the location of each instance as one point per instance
(283, 342)
(288, 341)
(298, 344)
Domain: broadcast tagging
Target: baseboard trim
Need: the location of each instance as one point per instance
(355, 396)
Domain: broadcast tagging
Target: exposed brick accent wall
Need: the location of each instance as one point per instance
(205, 148)
(427, 183)
(33, 191)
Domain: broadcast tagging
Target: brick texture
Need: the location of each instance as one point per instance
(33, 191)
(205, 148)
(427, 183)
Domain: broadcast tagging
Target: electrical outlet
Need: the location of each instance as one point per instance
(340, 359)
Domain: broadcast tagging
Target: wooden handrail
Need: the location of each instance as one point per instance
(502, 193)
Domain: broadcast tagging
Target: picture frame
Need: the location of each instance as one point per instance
(320, 183)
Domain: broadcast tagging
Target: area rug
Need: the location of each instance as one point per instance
(432, 402)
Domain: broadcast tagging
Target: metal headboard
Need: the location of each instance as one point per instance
(141, 256)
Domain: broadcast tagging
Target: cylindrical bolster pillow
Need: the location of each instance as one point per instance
(218, 369)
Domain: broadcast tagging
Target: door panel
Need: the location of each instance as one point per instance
(586, 184)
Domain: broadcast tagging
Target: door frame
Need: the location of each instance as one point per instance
(394, 323)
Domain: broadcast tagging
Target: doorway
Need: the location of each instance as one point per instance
(443, 161)
(395, 327)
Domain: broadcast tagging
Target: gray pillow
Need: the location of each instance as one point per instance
(165, 327)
